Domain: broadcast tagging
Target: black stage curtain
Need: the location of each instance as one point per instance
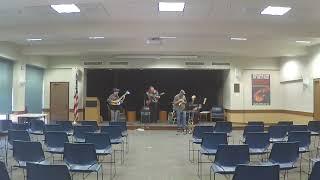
(202, 83)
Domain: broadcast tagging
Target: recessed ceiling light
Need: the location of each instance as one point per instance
(96, 37)
(238, 39)
(303, 42)
(171, 6)
(276, 10)
(34, 39)
(167, 37)
(65, 8)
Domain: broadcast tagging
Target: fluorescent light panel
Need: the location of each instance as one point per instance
(238, 39)
(34, 39)
(303, 42)
(171, 6)
(275, 10)
(96, 37)
(167, 37)
(65, 8)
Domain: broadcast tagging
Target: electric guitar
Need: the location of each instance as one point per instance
(120, 100)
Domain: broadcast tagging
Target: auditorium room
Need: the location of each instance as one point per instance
(160, 90)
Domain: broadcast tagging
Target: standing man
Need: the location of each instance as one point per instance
(179, 106)
(152, 101)
(114, 105)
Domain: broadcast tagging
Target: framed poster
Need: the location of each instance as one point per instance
(261, 89)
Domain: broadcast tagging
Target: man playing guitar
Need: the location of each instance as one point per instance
(179, 105)
(152, 101)
(115, 101)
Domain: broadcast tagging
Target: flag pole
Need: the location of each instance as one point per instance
(76, 103)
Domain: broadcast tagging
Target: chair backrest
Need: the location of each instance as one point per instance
(314, 126)
(213, 140)
(285, 152)
(285, 123)
(223, 126)
(199, 130)
(18, 135)
(252, 128)
(278, 131)
(53, 127)
(80, 131)
(19, 126)
(100, 140)
(113, 131)
(122, 124)
(255, 123)
(67, 125)
(258, 140)
(55, 139)
(90, 123)
(36, 125)
(298, 128)
(315, 173)
(232, 155)
(3, 172)
(80, 153)
(252, 172)
(47, 172)
(28, 151)
(303, 137)
(5, 125)
(217, 110)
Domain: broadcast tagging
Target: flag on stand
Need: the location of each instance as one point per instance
(76, 103)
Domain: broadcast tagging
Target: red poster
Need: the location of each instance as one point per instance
(261, 89)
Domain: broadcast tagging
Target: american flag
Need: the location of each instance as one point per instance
(76, 103)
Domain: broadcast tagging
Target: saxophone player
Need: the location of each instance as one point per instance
(179, 106)
(114, 109)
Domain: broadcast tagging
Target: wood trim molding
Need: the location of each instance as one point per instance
(300, 113)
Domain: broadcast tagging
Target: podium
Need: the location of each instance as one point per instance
(92, 109)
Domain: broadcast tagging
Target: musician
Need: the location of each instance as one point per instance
(194, 108)
(179, 106)
(114, 109)
(152, 101)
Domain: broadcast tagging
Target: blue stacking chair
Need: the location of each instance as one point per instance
(298, 128)
(82, 158)
(256, 172)
(284, 154)
(228, 157)
(54, 141)
(26, 151)
(19, 126)
(223, 127)
(258, 142)
(124, 130)
(285, 123)
(90, 123)
(252, 128)
(53, 127)
(80, 131)
(36, 127)
(278, 133)
(4, 128)
(315, 173)
(115, 135)
(47, 172)
(197, 135)
(3, 171)
(17, 135)
(314, 127)
(67, 126)
(209, 147)
(103, 146)
(256, 123)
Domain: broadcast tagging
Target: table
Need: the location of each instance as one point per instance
(30, 116)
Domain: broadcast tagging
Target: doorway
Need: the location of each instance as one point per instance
(316, 99)
(59, 101)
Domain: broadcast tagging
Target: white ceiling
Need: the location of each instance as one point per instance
(205, 27)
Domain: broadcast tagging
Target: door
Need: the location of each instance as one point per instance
(316, 99)
(59, 101)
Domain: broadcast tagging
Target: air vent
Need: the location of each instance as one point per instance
(194, 63)
(93, 63)
(119, 63)
(221, 65)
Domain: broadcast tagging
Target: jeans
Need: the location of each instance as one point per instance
(181, 119)
(115, 115)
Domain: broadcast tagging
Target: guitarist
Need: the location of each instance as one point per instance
(114, 109)
(179, 106)
(152, 101)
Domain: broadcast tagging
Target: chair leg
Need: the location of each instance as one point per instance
(210, 173)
